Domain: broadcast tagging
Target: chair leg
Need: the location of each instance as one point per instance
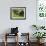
(17, 39)
(5, 43)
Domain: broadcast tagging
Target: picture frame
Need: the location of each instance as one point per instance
(41, 9)
(41, 12)
(18, 13)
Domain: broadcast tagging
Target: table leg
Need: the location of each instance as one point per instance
(5, 40)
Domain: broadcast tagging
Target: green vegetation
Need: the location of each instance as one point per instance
(40, 27)
(18, 13)
(39, 35)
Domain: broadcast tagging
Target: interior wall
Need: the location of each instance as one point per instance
(23, 25)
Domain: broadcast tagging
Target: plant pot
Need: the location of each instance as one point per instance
(38, 40)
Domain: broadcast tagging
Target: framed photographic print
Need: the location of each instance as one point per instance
(41, 12)
(17, 13)
(41, 8)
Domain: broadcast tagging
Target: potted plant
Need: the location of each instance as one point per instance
(38, 27)
(39, 35)
(35, 26)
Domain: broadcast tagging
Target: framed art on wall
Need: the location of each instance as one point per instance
(41, 12)
(41, 8)
(17, 13)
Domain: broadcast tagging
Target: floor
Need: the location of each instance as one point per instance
(13, 44)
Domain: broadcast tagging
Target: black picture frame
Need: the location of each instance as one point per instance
(18, 13)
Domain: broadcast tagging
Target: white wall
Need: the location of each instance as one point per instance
(24, 25)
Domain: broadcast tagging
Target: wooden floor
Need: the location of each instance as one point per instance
(13, 44)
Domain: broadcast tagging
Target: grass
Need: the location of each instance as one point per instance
(17, 15)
